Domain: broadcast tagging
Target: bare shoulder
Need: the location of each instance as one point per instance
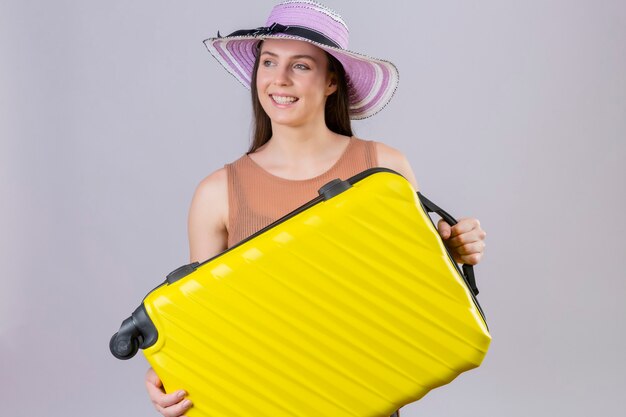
(208, 216)
(389, 157)
(211, 196)
(214, 183)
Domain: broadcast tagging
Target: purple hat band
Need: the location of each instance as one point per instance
(371, 82)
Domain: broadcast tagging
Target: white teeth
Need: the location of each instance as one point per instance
(284, 100)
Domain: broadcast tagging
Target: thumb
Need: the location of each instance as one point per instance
(153, 378)
(444, 229)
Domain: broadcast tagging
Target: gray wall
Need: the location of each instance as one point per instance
(513, 112)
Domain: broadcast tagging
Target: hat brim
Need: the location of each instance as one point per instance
(372, 82)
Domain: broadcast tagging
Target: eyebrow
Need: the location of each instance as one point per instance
(293, 56)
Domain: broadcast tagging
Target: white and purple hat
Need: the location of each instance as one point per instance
(371, 82)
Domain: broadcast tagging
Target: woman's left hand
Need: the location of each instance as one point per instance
(465, 240)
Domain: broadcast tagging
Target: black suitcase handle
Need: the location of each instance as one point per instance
(468, 270)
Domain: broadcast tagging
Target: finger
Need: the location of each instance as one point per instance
(155, 393)
(472, 259)
(471, 248)
(154, 387)
(176, 410)
(472, 236)
(464, 225)
(460, 240)
(153, 378)
(168, 400)
(444, 229)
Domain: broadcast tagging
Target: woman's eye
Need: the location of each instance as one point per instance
(267, 63)
(301, 66)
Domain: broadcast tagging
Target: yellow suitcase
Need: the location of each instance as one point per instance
(350, 306)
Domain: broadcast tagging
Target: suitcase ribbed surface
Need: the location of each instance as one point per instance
(349, 308)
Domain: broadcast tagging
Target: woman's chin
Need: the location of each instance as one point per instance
(285, 117)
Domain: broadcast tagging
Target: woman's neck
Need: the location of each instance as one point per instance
(298, 153)
(300, 143)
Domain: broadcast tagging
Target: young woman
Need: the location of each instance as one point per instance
(305, 89)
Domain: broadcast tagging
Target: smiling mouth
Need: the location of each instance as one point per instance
(283, 99)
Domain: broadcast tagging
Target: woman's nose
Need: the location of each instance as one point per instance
(281, 75)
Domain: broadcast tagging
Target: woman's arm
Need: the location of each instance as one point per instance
(466, 239)
(208, 236)
(208, 217)
(391, 158)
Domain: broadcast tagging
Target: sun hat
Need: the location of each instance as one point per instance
(371, 82)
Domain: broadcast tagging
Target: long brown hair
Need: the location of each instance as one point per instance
(336, 112)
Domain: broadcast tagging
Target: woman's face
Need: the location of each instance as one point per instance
(293, 81)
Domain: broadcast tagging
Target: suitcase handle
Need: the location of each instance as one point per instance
(468, 270)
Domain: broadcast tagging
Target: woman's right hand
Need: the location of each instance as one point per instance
(169, 405)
